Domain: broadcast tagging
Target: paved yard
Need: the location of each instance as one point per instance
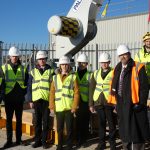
(92, 143)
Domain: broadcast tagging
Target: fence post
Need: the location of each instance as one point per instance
(96, 56)
(1, 51)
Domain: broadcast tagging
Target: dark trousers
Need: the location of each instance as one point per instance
(11, 107)
(65, 117)
(133, 146)
(82, 122)
(106, 114)
(41, 120)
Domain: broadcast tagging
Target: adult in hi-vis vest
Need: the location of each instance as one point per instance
(143, 56)
(15, 81)
(64, 100)
(83, 113)
(40, 78)
(2, 87)
(99, 92)
(129, 91)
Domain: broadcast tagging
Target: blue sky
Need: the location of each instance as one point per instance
(25, 21)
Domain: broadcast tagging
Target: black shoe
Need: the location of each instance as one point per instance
(37, 144)
(112, 145)
(45, 146)
(85, 145)
(59, 147)
(8, 144)
(82, 144)
(69, 148)
(100, 147)
(78, 144)
(19, 143)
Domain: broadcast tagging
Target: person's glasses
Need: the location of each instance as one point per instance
(42, 59)
(83, 63)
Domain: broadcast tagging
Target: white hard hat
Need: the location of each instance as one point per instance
(64, 60)
(82, 58)
(104, 57)
(13, 51)
(122, 49)
(41, 54)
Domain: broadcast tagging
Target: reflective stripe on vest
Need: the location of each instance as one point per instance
(41, 84)
(134, 85)
(84, 85)
(145, 59)
(102, 85)
(11, 78)
(64, 92)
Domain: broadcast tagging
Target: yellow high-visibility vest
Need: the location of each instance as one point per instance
(41, 84)
(64, 92)
(84, 85)
(102, 85)
(145, 59)
(11, 78)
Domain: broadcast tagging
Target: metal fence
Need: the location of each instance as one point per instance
(28, 53)
(93, 52)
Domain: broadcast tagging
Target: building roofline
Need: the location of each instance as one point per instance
(123, 16)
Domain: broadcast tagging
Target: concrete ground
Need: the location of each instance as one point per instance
(28, 140)
(91, 144)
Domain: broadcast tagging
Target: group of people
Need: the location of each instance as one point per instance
(74, 95)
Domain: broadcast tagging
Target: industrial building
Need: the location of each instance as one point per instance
(111, 32)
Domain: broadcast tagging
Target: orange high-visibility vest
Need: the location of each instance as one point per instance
(134, 85)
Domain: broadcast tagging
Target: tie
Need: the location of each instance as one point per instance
(121, 82)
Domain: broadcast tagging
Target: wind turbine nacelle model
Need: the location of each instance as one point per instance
(76, 29)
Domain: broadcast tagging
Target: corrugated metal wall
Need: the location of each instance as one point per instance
(127, 29)
(116, 30)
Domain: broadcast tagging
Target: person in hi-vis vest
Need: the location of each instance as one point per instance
(83, 113)
(2, 86)
(15, 82)
(99, 92)
(40, 78)
(143, 56)
(129, 92)
(64, 100)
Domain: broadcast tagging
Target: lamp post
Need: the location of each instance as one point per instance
(1, 51)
